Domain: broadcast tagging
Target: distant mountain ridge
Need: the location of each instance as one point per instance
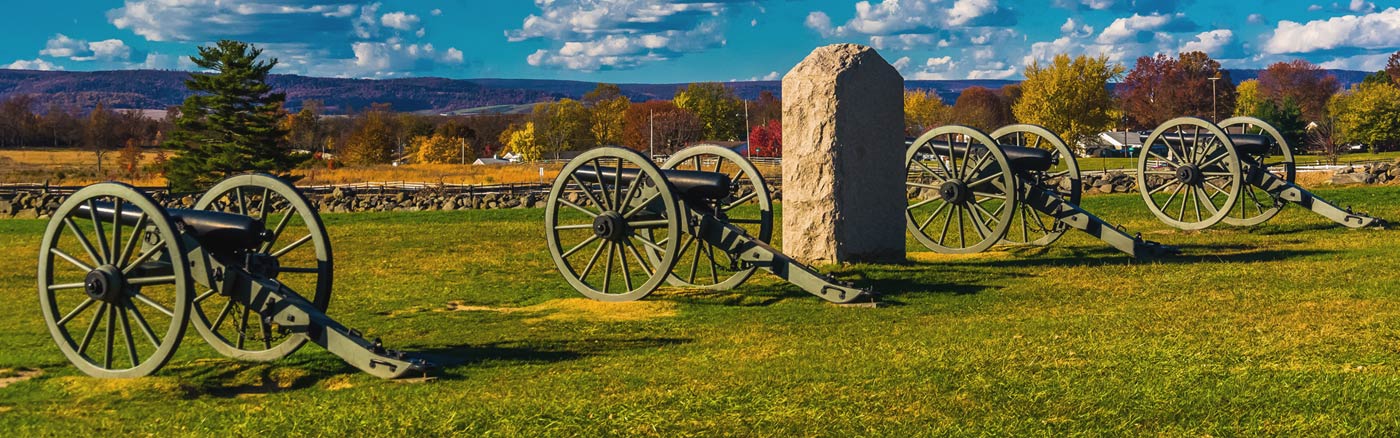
(159, 89)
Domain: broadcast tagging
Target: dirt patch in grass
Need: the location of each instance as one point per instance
(581, 309)
(88, 388)
(10, 376)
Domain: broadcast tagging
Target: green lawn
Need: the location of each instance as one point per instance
(1290, 328)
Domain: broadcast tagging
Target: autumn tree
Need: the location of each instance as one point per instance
(924, 110)
(1160, 88)
(520, 139)
(766, 140)
(1248, 101)
(304, 129)
(97, 133)
(767, 107)
(17, 120)
(1392, 67)
(721, 113)
(1369, 114)
(1301, 81)
(229, 124)
(980, 108)
(1287, 118)
(561, 126)
(671, 126)
(1069, 96)
(608, 113)
(440, 148)
(372, 138)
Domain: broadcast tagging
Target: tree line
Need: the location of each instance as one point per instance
(1071, 97)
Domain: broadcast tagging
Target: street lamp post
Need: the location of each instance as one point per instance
(1214, 117)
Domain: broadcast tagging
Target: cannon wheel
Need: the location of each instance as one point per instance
(704, 267)
(960, 202)
(1030, 226)
(303, 253)
(1256, 205)
(616, 217)
(1195, 184)
(108, 302)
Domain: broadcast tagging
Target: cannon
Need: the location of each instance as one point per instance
(1193, 174)
(618, 226)
(120, 278)
(968, 191)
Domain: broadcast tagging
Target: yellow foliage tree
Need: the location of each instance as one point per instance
(1069, 96)
(1368, 114)
(440, 148)
(923, 110)
(1248, 102)
(520, 139)
(561, 126)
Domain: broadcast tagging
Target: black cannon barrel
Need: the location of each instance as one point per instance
(1254, 144)
(218, 232)
(690, 183)
(1021, 158)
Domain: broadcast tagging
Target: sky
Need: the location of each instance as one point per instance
(677, 41)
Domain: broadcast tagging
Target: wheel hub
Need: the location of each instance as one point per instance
(1189, 175)
(610, 226)
(954, 192)
(104, 284)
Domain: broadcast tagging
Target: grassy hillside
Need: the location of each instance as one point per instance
(1290, 328)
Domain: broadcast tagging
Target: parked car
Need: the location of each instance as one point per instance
(1159, 149)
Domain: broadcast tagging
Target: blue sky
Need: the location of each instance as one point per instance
(664, 41)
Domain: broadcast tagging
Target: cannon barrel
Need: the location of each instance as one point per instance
(217, 231)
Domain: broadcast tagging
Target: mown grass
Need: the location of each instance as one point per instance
(1289, 328)
(1113, 163)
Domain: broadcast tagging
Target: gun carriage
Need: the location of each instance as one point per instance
(618, 226)
(968, 190)
(120, 278)
(1193, 174)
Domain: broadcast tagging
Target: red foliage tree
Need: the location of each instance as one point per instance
(1302, 81)
(981, 108)
(1392, 67)
(673, 127)
(1161, 88)
(767, 140)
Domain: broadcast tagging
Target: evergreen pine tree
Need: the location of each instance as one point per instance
(230, 124)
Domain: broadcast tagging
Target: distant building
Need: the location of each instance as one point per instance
(1111, 144)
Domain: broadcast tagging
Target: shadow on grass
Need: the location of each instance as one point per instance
(1191, 253)
(510, 353)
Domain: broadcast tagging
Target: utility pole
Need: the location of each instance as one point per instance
(747, 147)
(464, 150)
(651, 128)
(1214, 118)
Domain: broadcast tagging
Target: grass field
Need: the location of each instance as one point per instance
(1290, 328)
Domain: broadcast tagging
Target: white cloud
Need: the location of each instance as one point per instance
(821, 23)
(1213, 43)
(1128, 29)
(327, 37)
(965, 11)
(1371, 62)
(1361, 6)
(939, 68)
(61, 46)
(35, 64)
(901, 64)
(1314, 8)
(400, 20)
(1376, 31)
(591, 35)
(1255, 19)
(1076, 29)
(436, 12)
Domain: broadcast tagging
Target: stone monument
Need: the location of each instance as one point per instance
(843, 158)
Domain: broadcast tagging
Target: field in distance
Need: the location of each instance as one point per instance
(1288, 328)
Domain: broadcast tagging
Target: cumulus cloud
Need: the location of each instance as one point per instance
(591, 35)
(1076, 29)
(1142, 28)
(895, 17)
(35, 64)
(1148, 6)
(1255, 19)
(399, 20)
(331, 37)
(1361, 6)
(936, 68)
(1214, 43)
(1379, 31)
(62, 46)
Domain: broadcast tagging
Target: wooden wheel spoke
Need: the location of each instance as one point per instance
(210, 293)
(587, 191)
(930, 170)
(714, 265)
(131, 241)
(1208, 202)
(266, 332)
(695, 261)
(577, 207)
(111, 336)
(928, 221)
(130, 341)
(1179, 187)
(626, 268)
(650, 244)
(292, 246)
(632, 248)
(70, 259)
(985, 180)
(151, 281)
(574, 227)
(82, 239)
(592, 261)
(741, 200)
(608, 267)
(243, 327)
(277, 231)
(1163, 187)
(92, 328)
(105, 252)
(264, 205)
(641, 205)
(144, 257)
(74, 313)
(238, 201)
(154, 305)
(649, 224)
(141, 323)
(585, 242)
(223, 313)
(923, 202)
